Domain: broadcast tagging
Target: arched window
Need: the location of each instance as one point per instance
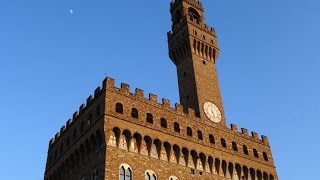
(193, 14)
(234, 146)
(150, 175)
(134, 113)
(176, 127)
(95, 174)
(173, 178)
(164, 123)
(189, 131)
(211, 139)
(265, 156)
(200, 137)
(149, 118)
(245, 150)
(223, 143)
(255, 153)
(125, 172)
(119, 108)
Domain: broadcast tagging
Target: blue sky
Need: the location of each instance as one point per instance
(52, 60)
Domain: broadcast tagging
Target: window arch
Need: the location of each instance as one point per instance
(255, 153)
(149, 118)
(134, 113)
(176, 127)
(125, 172)
(234, 146)
(163, 122)
(223, 143)
(119, 108)
(245, 150)
(173, 178)
(193, 14)
(95, 174)
(200, 137)
(150, 175)
(211, 139)
(265, 156)
(189, 131)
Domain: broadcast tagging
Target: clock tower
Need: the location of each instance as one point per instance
(193, 48)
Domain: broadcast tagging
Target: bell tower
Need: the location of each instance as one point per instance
(193, 48)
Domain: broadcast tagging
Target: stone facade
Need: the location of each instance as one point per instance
(121, 133)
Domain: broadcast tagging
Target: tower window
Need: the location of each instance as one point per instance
(134, 113)
(119, 108)
(164, 123)
(204, 37)
(200, 137)
(204, 62)
(176, 127)
(194, 15)
(189, 131)
(255, 153)
(223, 143)
(245, 150)
(184, 74)
(149, 118)
(265, 156)
(234, 146)
(211, 139)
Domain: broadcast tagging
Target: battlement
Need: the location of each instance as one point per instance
(177, 109)
(98, 91)
(194, 3)
(109, 85)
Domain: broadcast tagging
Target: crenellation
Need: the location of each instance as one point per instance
(165, 102)
(153, 98)
(97, 92)
(234, 127)
(125, 88)
(62, 129)
(81, 108)
(179, 108)
(255, 135)
(68, 123)
(89, 100)
(139, 93)
(191, 113)
(244, 131)
(265, 140)
(57, 135)
(51, 141)
(75, 116)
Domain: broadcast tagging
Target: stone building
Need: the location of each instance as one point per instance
(119, 134)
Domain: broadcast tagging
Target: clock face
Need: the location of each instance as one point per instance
(212, 112)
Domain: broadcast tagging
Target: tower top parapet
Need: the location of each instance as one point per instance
(194, 3)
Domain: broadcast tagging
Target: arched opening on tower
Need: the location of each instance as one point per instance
(194, 15)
